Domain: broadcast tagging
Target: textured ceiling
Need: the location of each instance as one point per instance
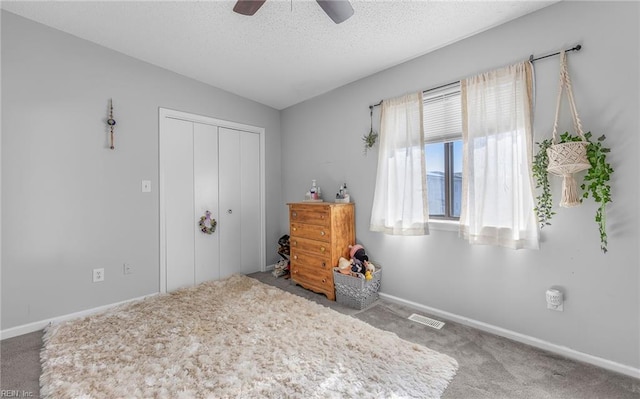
(288, 52)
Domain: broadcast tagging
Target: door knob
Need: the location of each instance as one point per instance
(229, 211)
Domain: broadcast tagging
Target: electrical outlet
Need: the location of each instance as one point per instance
(127, 268)
(98, 275)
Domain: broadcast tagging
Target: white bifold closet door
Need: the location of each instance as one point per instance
(239, 167)
(209, 168)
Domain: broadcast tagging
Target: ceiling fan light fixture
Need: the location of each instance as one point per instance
(338, 10)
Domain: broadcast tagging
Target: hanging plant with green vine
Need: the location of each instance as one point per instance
(544, 201)
(370, 138)
(596, 181)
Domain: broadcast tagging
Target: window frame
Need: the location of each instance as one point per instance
(428, 97)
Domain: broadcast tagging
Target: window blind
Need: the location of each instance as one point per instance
(442, 114)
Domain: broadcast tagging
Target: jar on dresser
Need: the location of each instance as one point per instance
(319, 234)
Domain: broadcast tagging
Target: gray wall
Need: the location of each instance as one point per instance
(69, 204)
(504, 288)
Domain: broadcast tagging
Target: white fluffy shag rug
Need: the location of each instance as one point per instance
(234, 338)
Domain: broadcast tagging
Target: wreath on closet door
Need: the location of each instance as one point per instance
(207, 223)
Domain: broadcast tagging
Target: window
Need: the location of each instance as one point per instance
(442, 118)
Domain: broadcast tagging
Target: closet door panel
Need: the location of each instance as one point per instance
(176, 153)
(229, 201)
(250, 193)
(205, 174)
(207, 167)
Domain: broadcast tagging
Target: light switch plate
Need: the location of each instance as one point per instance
(146, 186)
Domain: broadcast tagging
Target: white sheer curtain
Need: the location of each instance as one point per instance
(400, 203)
(498, 200)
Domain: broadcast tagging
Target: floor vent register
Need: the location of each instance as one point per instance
(426, 321)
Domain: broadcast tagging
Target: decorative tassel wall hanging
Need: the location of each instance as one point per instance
(111, 123)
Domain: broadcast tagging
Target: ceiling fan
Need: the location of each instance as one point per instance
(338, 10)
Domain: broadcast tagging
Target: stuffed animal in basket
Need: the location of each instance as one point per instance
(344, 266)
(360, 261)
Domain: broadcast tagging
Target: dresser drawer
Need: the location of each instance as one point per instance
(312, 231)
(309, 276)
(315, 261)
(313, 246)
(311, 214)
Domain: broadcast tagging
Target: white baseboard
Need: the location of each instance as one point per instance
(39, 325)
(525, 339)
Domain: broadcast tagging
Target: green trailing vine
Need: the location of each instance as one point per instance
(596, 181)
(544, 201)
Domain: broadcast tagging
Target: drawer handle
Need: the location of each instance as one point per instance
(295, 271)
(321, 233)
(324, 264)
(324, 280)
(295, 243)
(294, 214)
(294, 229)
(295, 256)
(322, 249)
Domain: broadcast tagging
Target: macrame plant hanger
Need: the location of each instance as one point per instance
(565, 159)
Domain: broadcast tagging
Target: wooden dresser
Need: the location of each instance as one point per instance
(320, 233)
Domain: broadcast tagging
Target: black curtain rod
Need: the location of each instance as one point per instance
(423, 91)
(531, 59)
(576, 48)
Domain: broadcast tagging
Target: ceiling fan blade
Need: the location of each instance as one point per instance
(338, 10)
(248, 7)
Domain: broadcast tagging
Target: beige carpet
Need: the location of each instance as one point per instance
(235, 338)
